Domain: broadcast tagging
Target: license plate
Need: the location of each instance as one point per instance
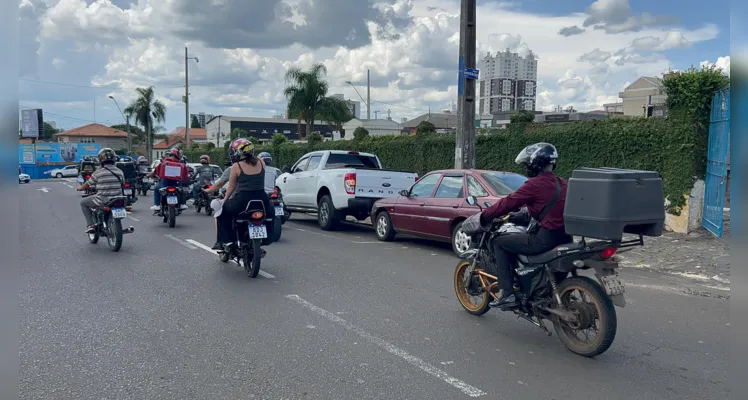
(613, 285)
(149, 180)
(258, 232)
(171, 200)
(128, 192)
(119, 213)
(279, 211)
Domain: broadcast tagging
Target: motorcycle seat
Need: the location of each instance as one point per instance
(549, 255)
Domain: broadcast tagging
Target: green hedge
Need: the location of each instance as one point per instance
(669, 147)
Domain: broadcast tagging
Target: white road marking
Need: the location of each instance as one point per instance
(410, 359)
(208, 249)
(70, 186)
(180, 241)
(129, 215)
(44, 189)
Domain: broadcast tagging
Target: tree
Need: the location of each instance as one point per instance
(314, 138)
(48, 132)
(279, 139)
(360, 133)
(254, 140)
(335, 112)
(305, 92)
(209, 146)
(195, 123)
(146, 110)
(689, 93)
(237, 133)
(425, 127)
(522, 117)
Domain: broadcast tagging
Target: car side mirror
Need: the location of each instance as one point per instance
(286, 169)
(404, 193)
(487, 204)
(471, 200)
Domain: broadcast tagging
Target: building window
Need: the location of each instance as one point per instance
(506, 87)
(506, 105)
(529, 86)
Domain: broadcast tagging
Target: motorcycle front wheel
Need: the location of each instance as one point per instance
(251, 258)
(114, 236)
(473, 302)
(594, 311)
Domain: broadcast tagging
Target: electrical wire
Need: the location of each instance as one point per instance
(67, 117)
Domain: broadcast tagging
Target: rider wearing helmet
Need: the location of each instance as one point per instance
(216, 204)
(171, 172)
(108, 181)
(246, 183)
(271, 173)
(203, 175)
(542, 190)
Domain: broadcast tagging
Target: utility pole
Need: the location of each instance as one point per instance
(187, 97)
(368, 95)
(127, 122)
(465, 144)
(376, 114)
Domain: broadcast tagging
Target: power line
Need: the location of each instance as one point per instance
(67, 117)
(398, 105)
(87, 86)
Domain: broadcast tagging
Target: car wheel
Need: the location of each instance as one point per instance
(460, 240)
(58, 175)
(384, 229)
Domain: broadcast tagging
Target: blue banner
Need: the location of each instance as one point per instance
(55, 153)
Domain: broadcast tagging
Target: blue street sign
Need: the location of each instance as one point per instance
(471, 73)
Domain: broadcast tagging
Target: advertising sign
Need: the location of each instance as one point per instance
(32, 123)
(61, 152)
(26, 154)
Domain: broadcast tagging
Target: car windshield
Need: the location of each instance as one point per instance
(504, 183)
(351, 161)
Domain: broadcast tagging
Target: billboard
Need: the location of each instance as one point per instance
(56, 152)
(32, 123)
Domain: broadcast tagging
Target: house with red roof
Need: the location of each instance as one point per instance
(177, 139)
(102, 135)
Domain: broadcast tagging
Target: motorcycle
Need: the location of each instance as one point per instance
(250, 231)
(544, 285)
(277, 201)
(280, 207)
(108, 221)
(169, 204)
(203, 200)
(84, 177)
(128, 191)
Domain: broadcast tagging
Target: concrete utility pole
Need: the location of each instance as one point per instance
(465, 145)
(368, 95)
(127, 122)
(187, 121)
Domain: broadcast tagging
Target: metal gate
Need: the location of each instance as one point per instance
(713, 217)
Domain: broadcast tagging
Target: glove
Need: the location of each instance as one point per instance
(472, 225)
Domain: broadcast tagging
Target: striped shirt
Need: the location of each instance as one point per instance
(106, 183)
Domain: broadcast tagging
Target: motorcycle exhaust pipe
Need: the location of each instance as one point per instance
(130, 229)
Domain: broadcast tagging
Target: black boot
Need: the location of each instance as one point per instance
(217, 246)
(506, 302)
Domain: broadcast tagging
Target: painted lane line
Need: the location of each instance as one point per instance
(129, 215)
(208, 249)
(410, 359)
(44, 189)
(70, 186)
(180, 241)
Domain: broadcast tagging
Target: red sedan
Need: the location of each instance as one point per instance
(435, 206)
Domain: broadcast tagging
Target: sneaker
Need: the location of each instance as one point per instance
(505, 303)
(91, 229)
(183, 207)
(156, 208)
(217, 246)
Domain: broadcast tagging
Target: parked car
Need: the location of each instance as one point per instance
(24, 178)
(335, 184)
(435, 207)
(66, 171)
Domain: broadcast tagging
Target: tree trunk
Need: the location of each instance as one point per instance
(148, 142)
(298, 128)
(309, 127)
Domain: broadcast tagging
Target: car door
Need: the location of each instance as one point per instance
(292, 190)
(444, 206)
(476, 189)
(307, 181)
(70, 170)
(408, 214)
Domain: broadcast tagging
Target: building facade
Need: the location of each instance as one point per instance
(202, 118)
(94, 133)
(508, 82)
(353, 106)
(644, 91)
(219, 128)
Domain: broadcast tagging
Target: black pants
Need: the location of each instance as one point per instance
(505, 250)
(235, 205)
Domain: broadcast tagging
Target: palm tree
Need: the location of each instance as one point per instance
(335, 112)
(305, 92)
(147, 110)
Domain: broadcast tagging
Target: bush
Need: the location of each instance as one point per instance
(425, 127)
(360, 133)
(314, 138)
(278, 139)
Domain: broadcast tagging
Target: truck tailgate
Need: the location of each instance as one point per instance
(377, 183)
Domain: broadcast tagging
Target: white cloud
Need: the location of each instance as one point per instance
(722, 63)
(411, 51)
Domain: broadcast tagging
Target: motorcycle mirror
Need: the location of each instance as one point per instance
(471, 200)
(286, 169)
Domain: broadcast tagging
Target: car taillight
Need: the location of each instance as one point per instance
(350, 183)
(608, 253)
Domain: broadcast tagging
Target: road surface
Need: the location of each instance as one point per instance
(334, 316)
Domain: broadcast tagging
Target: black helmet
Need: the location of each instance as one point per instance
(265, 156)
(536, 157)
(107, 155)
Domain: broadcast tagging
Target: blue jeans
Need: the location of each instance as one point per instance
(162, 184)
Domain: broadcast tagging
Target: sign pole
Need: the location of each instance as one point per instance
(467, 76)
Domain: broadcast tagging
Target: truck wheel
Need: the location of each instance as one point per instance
(327, 216)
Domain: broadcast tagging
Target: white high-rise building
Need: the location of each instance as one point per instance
(353, 106)
(508, 82)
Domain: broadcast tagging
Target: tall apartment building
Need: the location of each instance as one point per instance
(508, 82)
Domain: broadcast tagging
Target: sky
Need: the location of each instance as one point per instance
(76, 53)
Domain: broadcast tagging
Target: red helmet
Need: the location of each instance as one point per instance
(240, 149)
(205, 158)
(175, 152)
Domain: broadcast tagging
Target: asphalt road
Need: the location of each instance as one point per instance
(335, 316)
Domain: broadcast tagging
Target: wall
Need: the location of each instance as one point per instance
(689, 219)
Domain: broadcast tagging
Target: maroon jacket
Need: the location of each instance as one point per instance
(535, 194)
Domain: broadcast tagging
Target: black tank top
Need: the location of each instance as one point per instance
(250, 183)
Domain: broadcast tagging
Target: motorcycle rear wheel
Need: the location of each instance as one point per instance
(602, 311)
(114, 236)
(480, 306)
(172, 217)
(251, 258)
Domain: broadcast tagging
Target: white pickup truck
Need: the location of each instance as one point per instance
(334, 184)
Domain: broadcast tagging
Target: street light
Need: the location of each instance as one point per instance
(187, 96)
(368, 94)
(127, 122)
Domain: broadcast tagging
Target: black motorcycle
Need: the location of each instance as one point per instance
(130, 193)
(249, 232)
(108, 221)
(169, 204)
(548, 286)
(276, 199)
(203, 200)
